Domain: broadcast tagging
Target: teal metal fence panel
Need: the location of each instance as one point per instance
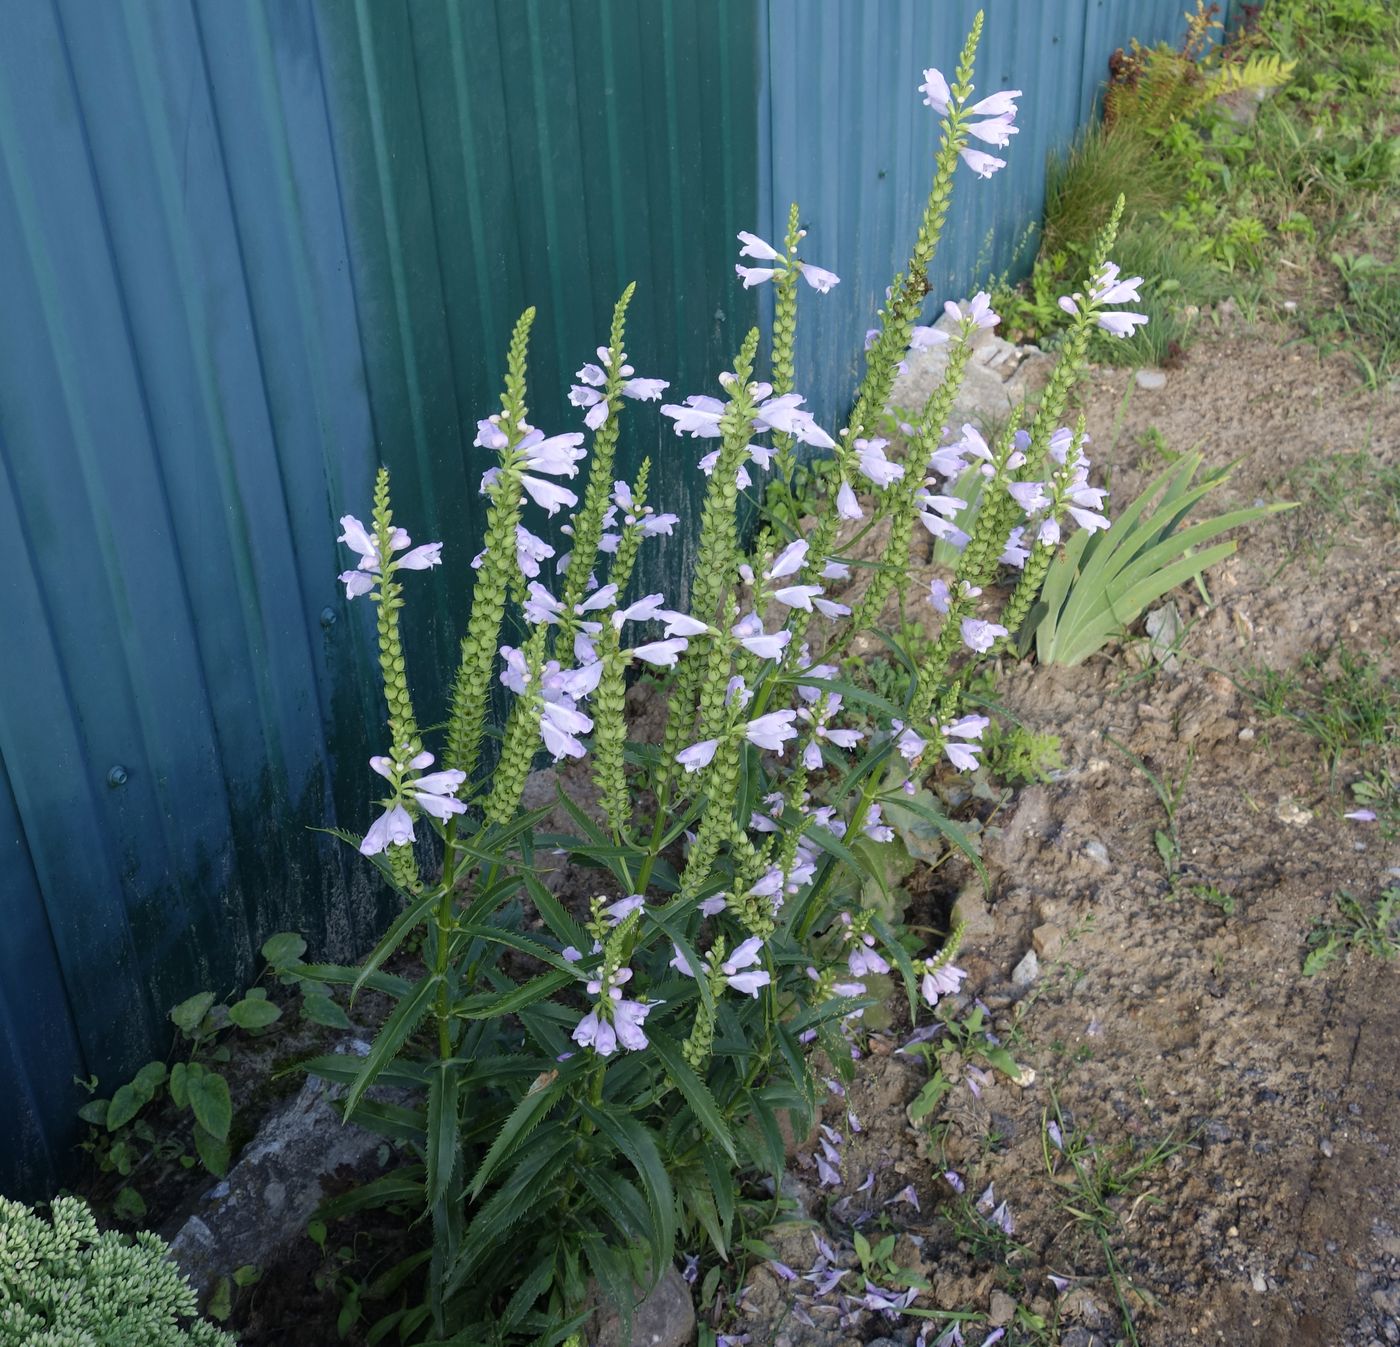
(251, 250)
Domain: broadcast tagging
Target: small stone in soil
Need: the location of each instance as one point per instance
(1027, 970)
(1149, 380)
(1096, 851)
(1002, 1309)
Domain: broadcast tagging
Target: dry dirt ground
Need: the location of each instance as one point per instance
(1158, 1018)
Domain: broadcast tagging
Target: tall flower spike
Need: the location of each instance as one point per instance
(588, 520)
(467, 719)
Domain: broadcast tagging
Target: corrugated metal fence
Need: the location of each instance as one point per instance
(250, 250)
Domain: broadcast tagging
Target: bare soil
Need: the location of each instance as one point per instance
(1159, 1018)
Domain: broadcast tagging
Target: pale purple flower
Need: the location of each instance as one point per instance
(435, 793)
(1048, 534)
(789, 560)
(830, 608)
(643, 610)
(979, 635)
(680, 963)
(698, 418)
(921, 338)
(571, 953)
(936, 92)
(1362, 815)
(711, 907)
(750, 982)
(744, 955)
(644, 390)
(819, 278)
(999, 104)
(863, 960)
(980, 162)
(681, 624)
(994, 130)
(559, 724)
(489, 435)
(624, 907)
(1013, 554)
(847, 506)
(871, 460)
(782, 1269)
(663, 654)
(530, 551)
(967, 727)
(550, 496)
(748, 631)
(592, 1031)
(393, 828)
(752, 276)
(628, 1017)
(1108, 288)
(1120, 323)
(356, 583)
(757, 247)
(771, 731)
(691, 1272)
(557, 456)
(1057, 1139)
(1030, 496)
(828, 1175)
(784, 413)
(1061, 1284)
(938, 594)
(979, 312)
(697, 755)
(798, 596)
(954, 1180)
(937, 982)
(963, 756)
(428, 554)
(876, 829)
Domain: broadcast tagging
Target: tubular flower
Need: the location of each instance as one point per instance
(360, 540)
(589, 391)
(819, 278)
(772, 730)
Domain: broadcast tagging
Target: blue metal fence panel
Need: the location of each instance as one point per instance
(848, 137)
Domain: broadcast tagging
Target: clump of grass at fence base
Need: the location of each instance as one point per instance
(1289, 200)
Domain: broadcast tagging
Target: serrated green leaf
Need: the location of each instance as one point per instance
(443, 1150)
(401, 1023)
(696, 1092)
(524, 1118)
(635, 1142)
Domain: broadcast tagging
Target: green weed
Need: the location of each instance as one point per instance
(1375, 930)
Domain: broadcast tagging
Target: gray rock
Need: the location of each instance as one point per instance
(1002, 1309)
(998, 376)
(271, 1193)
(664, 1318)
(1027, 970)
(970, 911)
(1095, 851)
(1150, 380)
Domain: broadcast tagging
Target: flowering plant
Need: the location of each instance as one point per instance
(592, 1077)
